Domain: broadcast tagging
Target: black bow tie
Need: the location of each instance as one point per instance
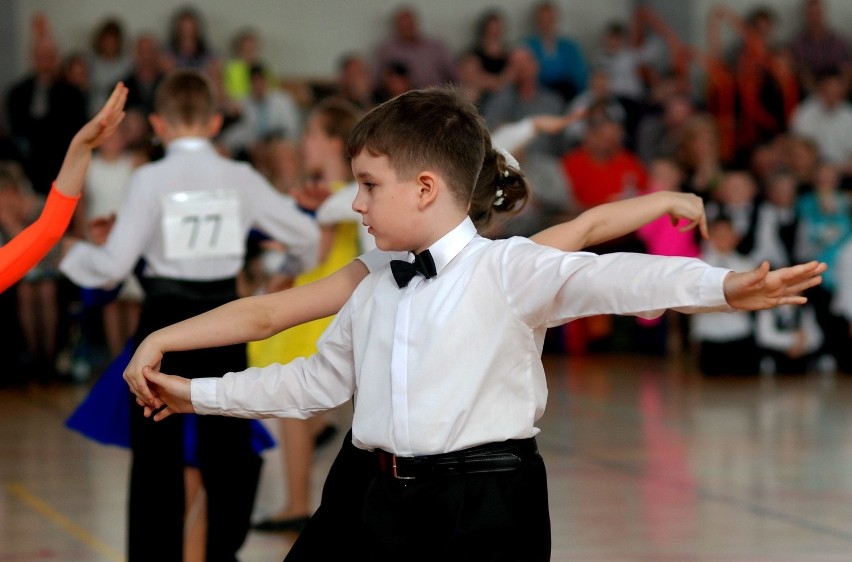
(404, 271)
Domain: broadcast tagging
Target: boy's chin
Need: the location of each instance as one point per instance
(388, 246)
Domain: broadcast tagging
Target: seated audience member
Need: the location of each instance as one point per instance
(395, 80)
(817, 47)
(246, 50)
(777, 221)
(787, 338)
(725, 340)
(600, 96)
(486, 61)
(662, 237)
(602, 169)
(562, 66)
(108, 62)
(44, 113)
(803, 161)
(145, 74)
(825, 226)
(698, 152)
(524, 97)
(355, 81)
(37, 291)
(188, 45)
(428, 59)
(266, 113)
(738, 198)
(825, 116)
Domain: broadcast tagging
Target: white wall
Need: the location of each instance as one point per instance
(306, 37)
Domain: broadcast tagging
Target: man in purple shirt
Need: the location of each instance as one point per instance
(429, 60)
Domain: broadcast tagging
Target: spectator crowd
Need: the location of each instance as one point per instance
(764, 137)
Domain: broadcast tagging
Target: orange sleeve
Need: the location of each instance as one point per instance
(27, 248)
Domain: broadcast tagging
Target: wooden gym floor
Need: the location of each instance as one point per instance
(647, 461)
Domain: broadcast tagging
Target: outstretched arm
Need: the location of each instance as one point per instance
(256, 318)
(516, 135)
(611, 220)
(243, 320)
(761, 288)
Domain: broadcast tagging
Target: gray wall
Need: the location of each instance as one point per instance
(303, 38)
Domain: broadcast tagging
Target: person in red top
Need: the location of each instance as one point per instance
(601, 169)
(31, 244)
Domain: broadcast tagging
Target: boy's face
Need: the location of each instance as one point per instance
(723, 236)
(317, 146)
(389, 207)
(665, 175)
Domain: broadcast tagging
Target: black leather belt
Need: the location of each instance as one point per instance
(493, 457)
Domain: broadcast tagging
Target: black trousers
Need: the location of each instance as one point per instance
(229, 467)
(335, 531)
(365, 515)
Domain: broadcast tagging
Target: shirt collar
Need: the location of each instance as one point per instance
(448, 247)
(188, 144)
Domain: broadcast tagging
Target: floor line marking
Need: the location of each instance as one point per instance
(76, 531)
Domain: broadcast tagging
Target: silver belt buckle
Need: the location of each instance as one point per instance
(395, 473)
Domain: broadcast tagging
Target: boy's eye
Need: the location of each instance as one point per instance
(369, 185)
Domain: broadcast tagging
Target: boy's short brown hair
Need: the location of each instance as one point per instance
(185, 97)
(435, 129)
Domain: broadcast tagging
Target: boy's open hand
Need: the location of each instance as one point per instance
(171, 395)
(760, 288)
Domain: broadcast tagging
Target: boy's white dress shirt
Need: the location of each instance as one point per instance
(234, 194)
(454, 361)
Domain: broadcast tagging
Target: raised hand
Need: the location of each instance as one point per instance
(72, 174)
(689, 207)
(760, 288)
(106, 121)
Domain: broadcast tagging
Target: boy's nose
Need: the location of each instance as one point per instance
(358, 203)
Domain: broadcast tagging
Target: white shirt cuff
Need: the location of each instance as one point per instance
(202, 393)
(713, 287)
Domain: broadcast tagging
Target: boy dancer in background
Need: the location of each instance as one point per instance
(187, 216)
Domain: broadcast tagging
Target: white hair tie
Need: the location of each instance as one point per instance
(511, 161)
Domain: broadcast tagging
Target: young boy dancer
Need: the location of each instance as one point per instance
(187, 216)
(442, 354)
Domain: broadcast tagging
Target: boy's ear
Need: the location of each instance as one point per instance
(158, 124)
(215, 124)
(427, 185)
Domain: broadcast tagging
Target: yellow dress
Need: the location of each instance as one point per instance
(300, 341)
